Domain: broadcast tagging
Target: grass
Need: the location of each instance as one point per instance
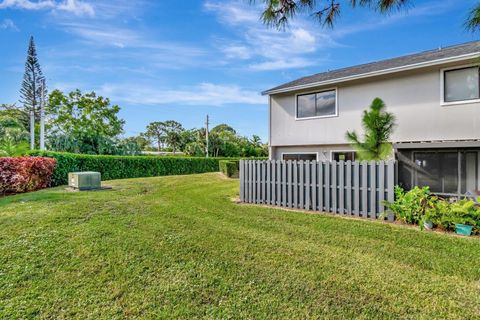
(178, 247)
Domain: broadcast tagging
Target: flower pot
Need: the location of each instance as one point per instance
(463, 229)
(428, 225)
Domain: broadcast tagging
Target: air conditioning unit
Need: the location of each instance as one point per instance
(84, 180)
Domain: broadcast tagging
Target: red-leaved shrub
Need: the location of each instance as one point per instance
(23, 174)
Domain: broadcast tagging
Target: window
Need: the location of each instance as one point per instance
(447, 171)
(461, 85)
(319, 104)
(299, 156)
(343, 156)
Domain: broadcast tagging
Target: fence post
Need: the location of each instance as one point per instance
(242, 182)
(356, 192)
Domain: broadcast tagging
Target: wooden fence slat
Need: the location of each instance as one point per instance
(327, 187)
(242, 181)
(365, 189)
(279, 183)
(307, 184)
(391, 185)
(349, 186)
(274, 183)
(320, 186)
(341, 187)
(254, 179)
(313, 167)
(381, 186)
(334, 187)
(301, 173)
(356, 191)
(284, 184)
(373, 190)
(289, 183)
(269, 185)
(295, 184)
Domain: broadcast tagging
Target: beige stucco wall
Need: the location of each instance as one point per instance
(414, 98)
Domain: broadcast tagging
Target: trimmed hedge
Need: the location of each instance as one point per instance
(230, 168)
(122, 167)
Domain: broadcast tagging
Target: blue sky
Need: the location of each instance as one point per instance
(180, 60)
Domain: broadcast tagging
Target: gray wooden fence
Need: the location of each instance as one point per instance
(341, 187)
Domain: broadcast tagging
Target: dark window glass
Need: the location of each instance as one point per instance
(319, 104)
(300, 156)
(438, 170)
(343, 156)
(461, 84)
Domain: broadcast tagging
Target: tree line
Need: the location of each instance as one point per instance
(88, 123)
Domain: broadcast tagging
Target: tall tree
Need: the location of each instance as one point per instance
(173, 134)
(86, 120)
(277, 13)
(156, 132)
(31, 90)
(378, 125)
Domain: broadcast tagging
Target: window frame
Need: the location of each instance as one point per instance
(442, 85)
(305, 152)
(335, 89)
(342, 151)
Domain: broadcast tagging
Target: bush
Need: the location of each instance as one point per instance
(121, 167)
(230, 168)
(419, 205)
(23, 174)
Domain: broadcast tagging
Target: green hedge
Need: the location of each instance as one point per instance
(230, 168)
(121, 167)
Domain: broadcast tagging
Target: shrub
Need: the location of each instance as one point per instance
(23, 174)
(230, 168)
(419, 205)
(121, 167)
(412, 206)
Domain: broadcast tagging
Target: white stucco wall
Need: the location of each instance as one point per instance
(414, 98)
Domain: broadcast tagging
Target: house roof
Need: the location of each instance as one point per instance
(437, 56)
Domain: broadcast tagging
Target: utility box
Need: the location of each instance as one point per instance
(84, 180)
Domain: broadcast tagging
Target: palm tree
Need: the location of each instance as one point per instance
(378, 125)
(277, 13)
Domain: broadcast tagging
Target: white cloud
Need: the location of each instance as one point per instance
(204, 94)
(27, 4)
(300, 44)
(76, 7)
(237, 52)
(8, 24)
(268, 49)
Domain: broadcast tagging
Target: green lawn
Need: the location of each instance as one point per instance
(178, 247)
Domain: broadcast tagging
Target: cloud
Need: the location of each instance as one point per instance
(268, 49)
(76, 7)
(8, 24)
(204, 94)
(237, 52)
(300, 44)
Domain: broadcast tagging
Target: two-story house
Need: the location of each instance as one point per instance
(434, 95)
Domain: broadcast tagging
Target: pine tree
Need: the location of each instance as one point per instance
(31, 92)
(378, 125)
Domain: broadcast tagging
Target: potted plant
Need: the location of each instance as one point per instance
(463, 216)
